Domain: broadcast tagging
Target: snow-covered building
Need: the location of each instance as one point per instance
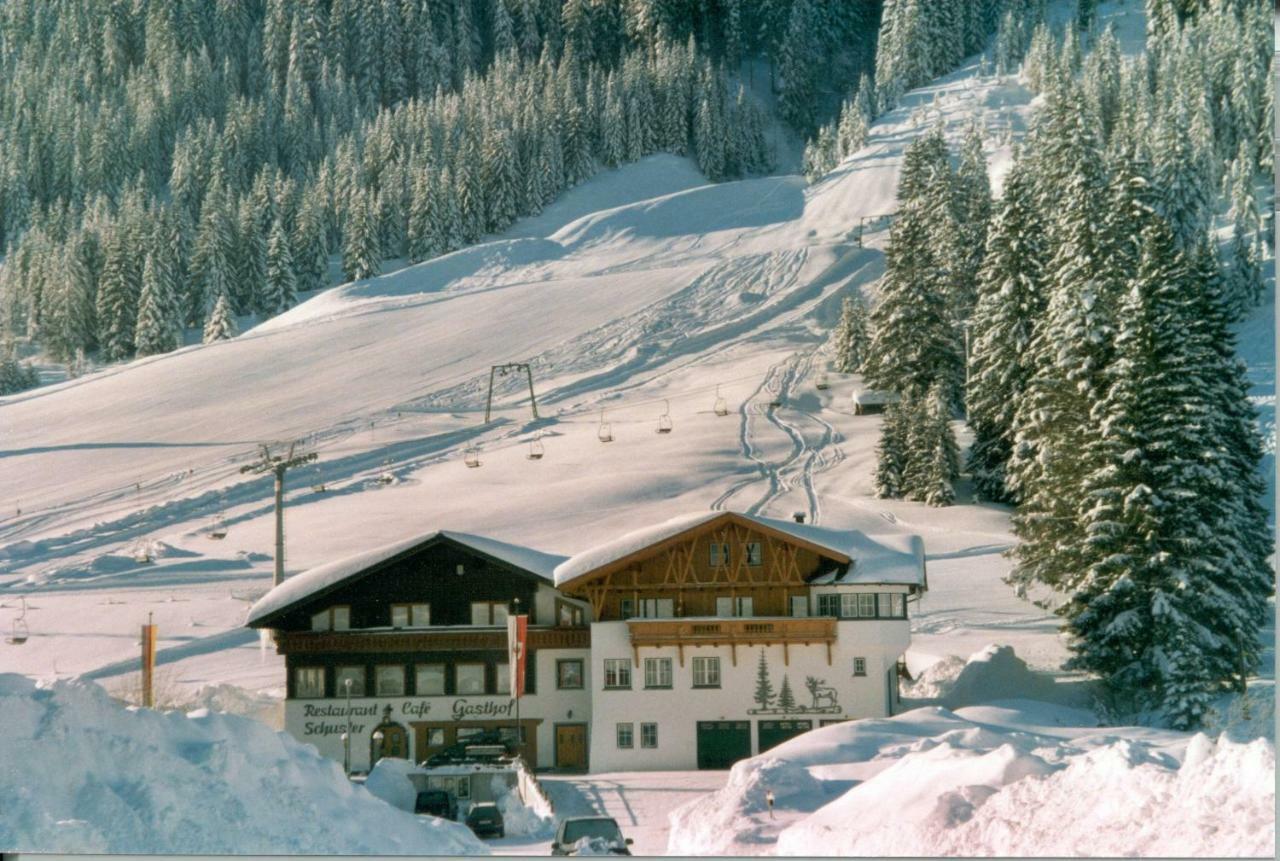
(409, 641)
(719, 635)
(690, 644)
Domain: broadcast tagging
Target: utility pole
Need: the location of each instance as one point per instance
(278, 466)
(503, 370)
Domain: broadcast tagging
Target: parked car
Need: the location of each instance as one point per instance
(600, 831)
(437, 802)
(485, 819)
(485, 742)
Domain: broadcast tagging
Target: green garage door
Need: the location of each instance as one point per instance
(721, 743)
(775, 732)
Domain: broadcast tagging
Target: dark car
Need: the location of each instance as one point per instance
(602, 831)
(456, 753)
(485, 819)
(436, 802)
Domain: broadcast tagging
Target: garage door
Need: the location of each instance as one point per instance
(775, 732)
(721, 743)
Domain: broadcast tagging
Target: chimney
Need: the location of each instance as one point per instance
(799, 516)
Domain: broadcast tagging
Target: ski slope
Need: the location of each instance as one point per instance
(641, 291)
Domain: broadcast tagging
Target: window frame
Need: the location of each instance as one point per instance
(791, 606)
(577, 615)
(859, 662)
(670, 674)
(754, 551)
(444, 678)
(377, 679)
(867, 600)
(829, 604)
(627, 730)
(718, 555)
(297, 683)
(492, 613)
(330, 616)
(705, 662)
(362, 680)
(582, 674)
(649, 734)
(657, 605)
(621, 666)
(626, 608)
(498, 669)
(457, 678)
(411, 615)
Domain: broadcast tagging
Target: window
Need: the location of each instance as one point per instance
(488, 613)
(463, 785)
(389, 681)
(569, 615)
(799, 605)
(657, 608)
(828, 605)
(503, 679)
(466, 733)
(354, 675)
(657, 672)
(719, 554)
(428, 680)
(332, 619)
(569, 674)
(617, 673)
(308, 682)
(706, 672)
(859, 666)
(435, 736)
(867, 606)
(849, 606)
(626, 735)
(626, 608)
(470, 678)
(735, 606)
(755, 556)
(410, 615)
(898, 605)
(648, 735)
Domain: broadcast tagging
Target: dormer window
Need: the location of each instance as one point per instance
(410, 615)
(332, 619)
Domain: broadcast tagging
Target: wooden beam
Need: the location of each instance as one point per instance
(786, 654)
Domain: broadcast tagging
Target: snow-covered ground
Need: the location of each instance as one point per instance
(641, 290)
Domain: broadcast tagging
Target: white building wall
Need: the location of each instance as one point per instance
(321, 722)
(677, 711)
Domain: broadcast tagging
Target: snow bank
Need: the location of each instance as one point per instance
(518, 819)
(994, 673)
(389, 780)
(81, 773)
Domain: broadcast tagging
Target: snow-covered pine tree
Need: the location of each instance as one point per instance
(892, 449)
(1011, 299)
(971, 197)
(852, 340)
(251, 261)
(281, 286)
(212, 257)
(310, 247)
(221, 324)
(117, 301)
(939, 454)
(158, 329)
(362, 250)
(797, 101)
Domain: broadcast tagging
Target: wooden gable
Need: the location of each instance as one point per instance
(685, 569)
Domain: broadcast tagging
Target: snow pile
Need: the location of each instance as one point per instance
(594, 846)
(81, 773)
(994, 673)
(518, 819)
(1017, 777)
(263, 707)
(389, 780)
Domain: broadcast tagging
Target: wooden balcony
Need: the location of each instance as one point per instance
(425, 640)
(782, 631)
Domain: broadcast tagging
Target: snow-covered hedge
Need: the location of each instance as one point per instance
(81, 773)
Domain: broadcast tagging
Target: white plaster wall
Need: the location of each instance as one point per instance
(321, 722)
(677, 711)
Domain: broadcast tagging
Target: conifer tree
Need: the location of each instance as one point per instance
(281, 287)
(852, 340)
(221, 324)
(117, 301)
(764, 688)
(157, 329)
(786, 698)
(362, 251)
(891, 450)
(937, 453)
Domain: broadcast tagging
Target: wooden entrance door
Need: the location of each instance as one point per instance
(571, 746)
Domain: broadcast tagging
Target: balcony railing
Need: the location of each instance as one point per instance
(733, 633)
(425, 640)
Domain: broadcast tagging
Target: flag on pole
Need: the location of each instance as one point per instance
(517, 637)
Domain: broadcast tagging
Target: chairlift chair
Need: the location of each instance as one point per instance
(605, 432)
(722, 406)
(318, 485)
(19, 633)
(218, 530)
(472, 459)
(536, 449)
(824, 382)
(664, 420)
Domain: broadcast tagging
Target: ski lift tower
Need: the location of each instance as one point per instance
(278, 466)
(503, 370)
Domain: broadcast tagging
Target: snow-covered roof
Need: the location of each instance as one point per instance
(872, 559)
(874, 396)
(331, 574)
